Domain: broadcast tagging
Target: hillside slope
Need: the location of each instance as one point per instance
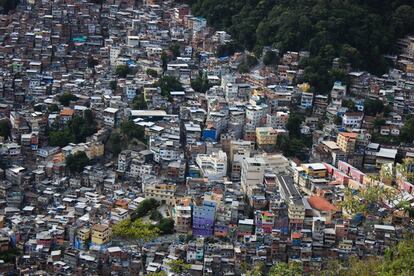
(358, 31)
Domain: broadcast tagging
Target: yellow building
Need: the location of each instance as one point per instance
(84, 234)
(165, 193)
(315, 170)
(101, 234)
(266, 136)
(95, 149)
(260, 91)
(346, 141)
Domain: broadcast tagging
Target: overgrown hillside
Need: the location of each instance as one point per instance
(8, 5)
(358, 31)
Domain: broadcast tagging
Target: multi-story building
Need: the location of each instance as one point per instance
(264, 222)
(213, 166)
(294, 200)
(266, 136)
(182, 218)
(164, 193)
(306, 100)
(277, 120)
(352, 119)
(203, 218)
(252, 172)
(238, 151)
(346, 141)
(256, 115)
(338, 93)
(101, 234)
(111, 117)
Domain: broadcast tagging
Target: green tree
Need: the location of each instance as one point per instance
(283, 269)
(378, 123)
(143, 209)
(270, 58)
(175, 49)
(10, 255)
(201, 83)
(293, 126)
(373, 107)
(132, 131)
(115, 144)
(152, 73)
(66, 98)
(179, 266)
(160, 273)
(164, 60)
(113, 84)
(168, 84)
(60, 138)
(243, 68)
(227, 49)
(92, 62)
(139, 102)
(8, 5)
(257, 270)
(53, 108)
(166, 226)
(407, 131)
(135, 230)
(77, 162)
(5, 128)
(356, 32)
(155, 215)
(350, 104)
(122, 71)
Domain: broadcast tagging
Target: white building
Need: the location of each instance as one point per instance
(338, 92)
(352, 119)
(213, 166)
(255, 114)
(306, 100)
(111, 117)
(252, 172)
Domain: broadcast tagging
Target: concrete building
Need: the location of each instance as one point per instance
(213, 166)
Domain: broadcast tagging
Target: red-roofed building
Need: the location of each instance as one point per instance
(323, 207)
(66, 115)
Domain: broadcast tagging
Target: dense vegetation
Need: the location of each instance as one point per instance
(8, 5)
(357, 31)
(129, 133)
(77, 162)
(66, 98)
(75, 131)
(5, 128)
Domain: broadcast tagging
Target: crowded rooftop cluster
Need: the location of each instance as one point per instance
(136, 139)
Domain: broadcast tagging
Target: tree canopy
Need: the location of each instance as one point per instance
(8, 5)
(135, 230)
(358, 32)
(179, 266)
(130, 131)
(144, 208)
(168, 84)
(77, 162)
(5, 128)
(407, 132)
(398, 260)
(75, 131)
(66, 98)
(201, 83)
(122, 70)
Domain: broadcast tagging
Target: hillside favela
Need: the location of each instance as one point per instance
(207, 137)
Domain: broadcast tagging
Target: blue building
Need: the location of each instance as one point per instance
(203, 218)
